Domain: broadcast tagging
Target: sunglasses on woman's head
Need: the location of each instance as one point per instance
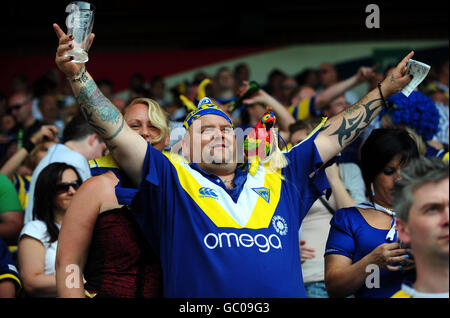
(64, 187)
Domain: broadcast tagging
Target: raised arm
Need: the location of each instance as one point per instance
(126, 146)
(284, 118)
(327, 95)
(45, 133)
(345, 127)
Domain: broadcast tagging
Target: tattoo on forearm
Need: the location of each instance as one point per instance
(116, 132)
(81, 76)
(351, 127)
(97, 109)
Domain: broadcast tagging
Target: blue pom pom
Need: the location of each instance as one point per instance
(417, 111)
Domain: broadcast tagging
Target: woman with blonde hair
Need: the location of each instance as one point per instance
(99, 235)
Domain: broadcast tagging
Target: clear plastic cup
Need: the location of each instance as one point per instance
(79, 22)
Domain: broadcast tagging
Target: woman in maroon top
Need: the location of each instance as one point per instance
(99, 237)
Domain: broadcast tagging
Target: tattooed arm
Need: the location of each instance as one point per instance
(127, 147)
(342, 129)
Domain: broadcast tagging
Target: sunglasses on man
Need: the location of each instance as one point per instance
(64, 187)
(18, 106)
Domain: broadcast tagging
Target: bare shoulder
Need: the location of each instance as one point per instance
(101, 182)
(98, 188)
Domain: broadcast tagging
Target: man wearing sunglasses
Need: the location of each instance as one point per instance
(21, 107)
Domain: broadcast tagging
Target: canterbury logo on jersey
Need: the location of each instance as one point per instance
(207, 193)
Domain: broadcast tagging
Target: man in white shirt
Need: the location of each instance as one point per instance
(79, 145)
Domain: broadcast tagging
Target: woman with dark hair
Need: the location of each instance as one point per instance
(38, 240)
(362, 257)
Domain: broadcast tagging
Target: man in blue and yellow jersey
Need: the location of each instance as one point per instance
(10, 283)
(222, 231)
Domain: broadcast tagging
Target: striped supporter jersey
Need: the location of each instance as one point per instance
(219, 242)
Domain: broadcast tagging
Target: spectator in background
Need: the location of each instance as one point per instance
(274, 81)
(79, 145)
(308, 77)
(7, 135)
(7, 123)
(337, 105)
(21, 107)
(224, 86)
(314, 230)
(306, 103)
(38, 241)
(10, 283)
(289, 85)
(50, 110)
(136, 88)
(241, 74)
(3, 103)
(328, 76)
(11, 212)
(68, 104)
(20, 84)
(349, 172)
(437, 90)
(199, 77)
(421, 202)
(157, 90)
(304, 92)
(365, 234)
(256, 106)
(21, 165)
(43, 85)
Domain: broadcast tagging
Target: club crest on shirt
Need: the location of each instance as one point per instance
(280, 225)
(207, 193)
(263, 193)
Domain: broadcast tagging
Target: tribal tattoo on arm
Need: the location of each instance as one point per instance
(353, 121)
